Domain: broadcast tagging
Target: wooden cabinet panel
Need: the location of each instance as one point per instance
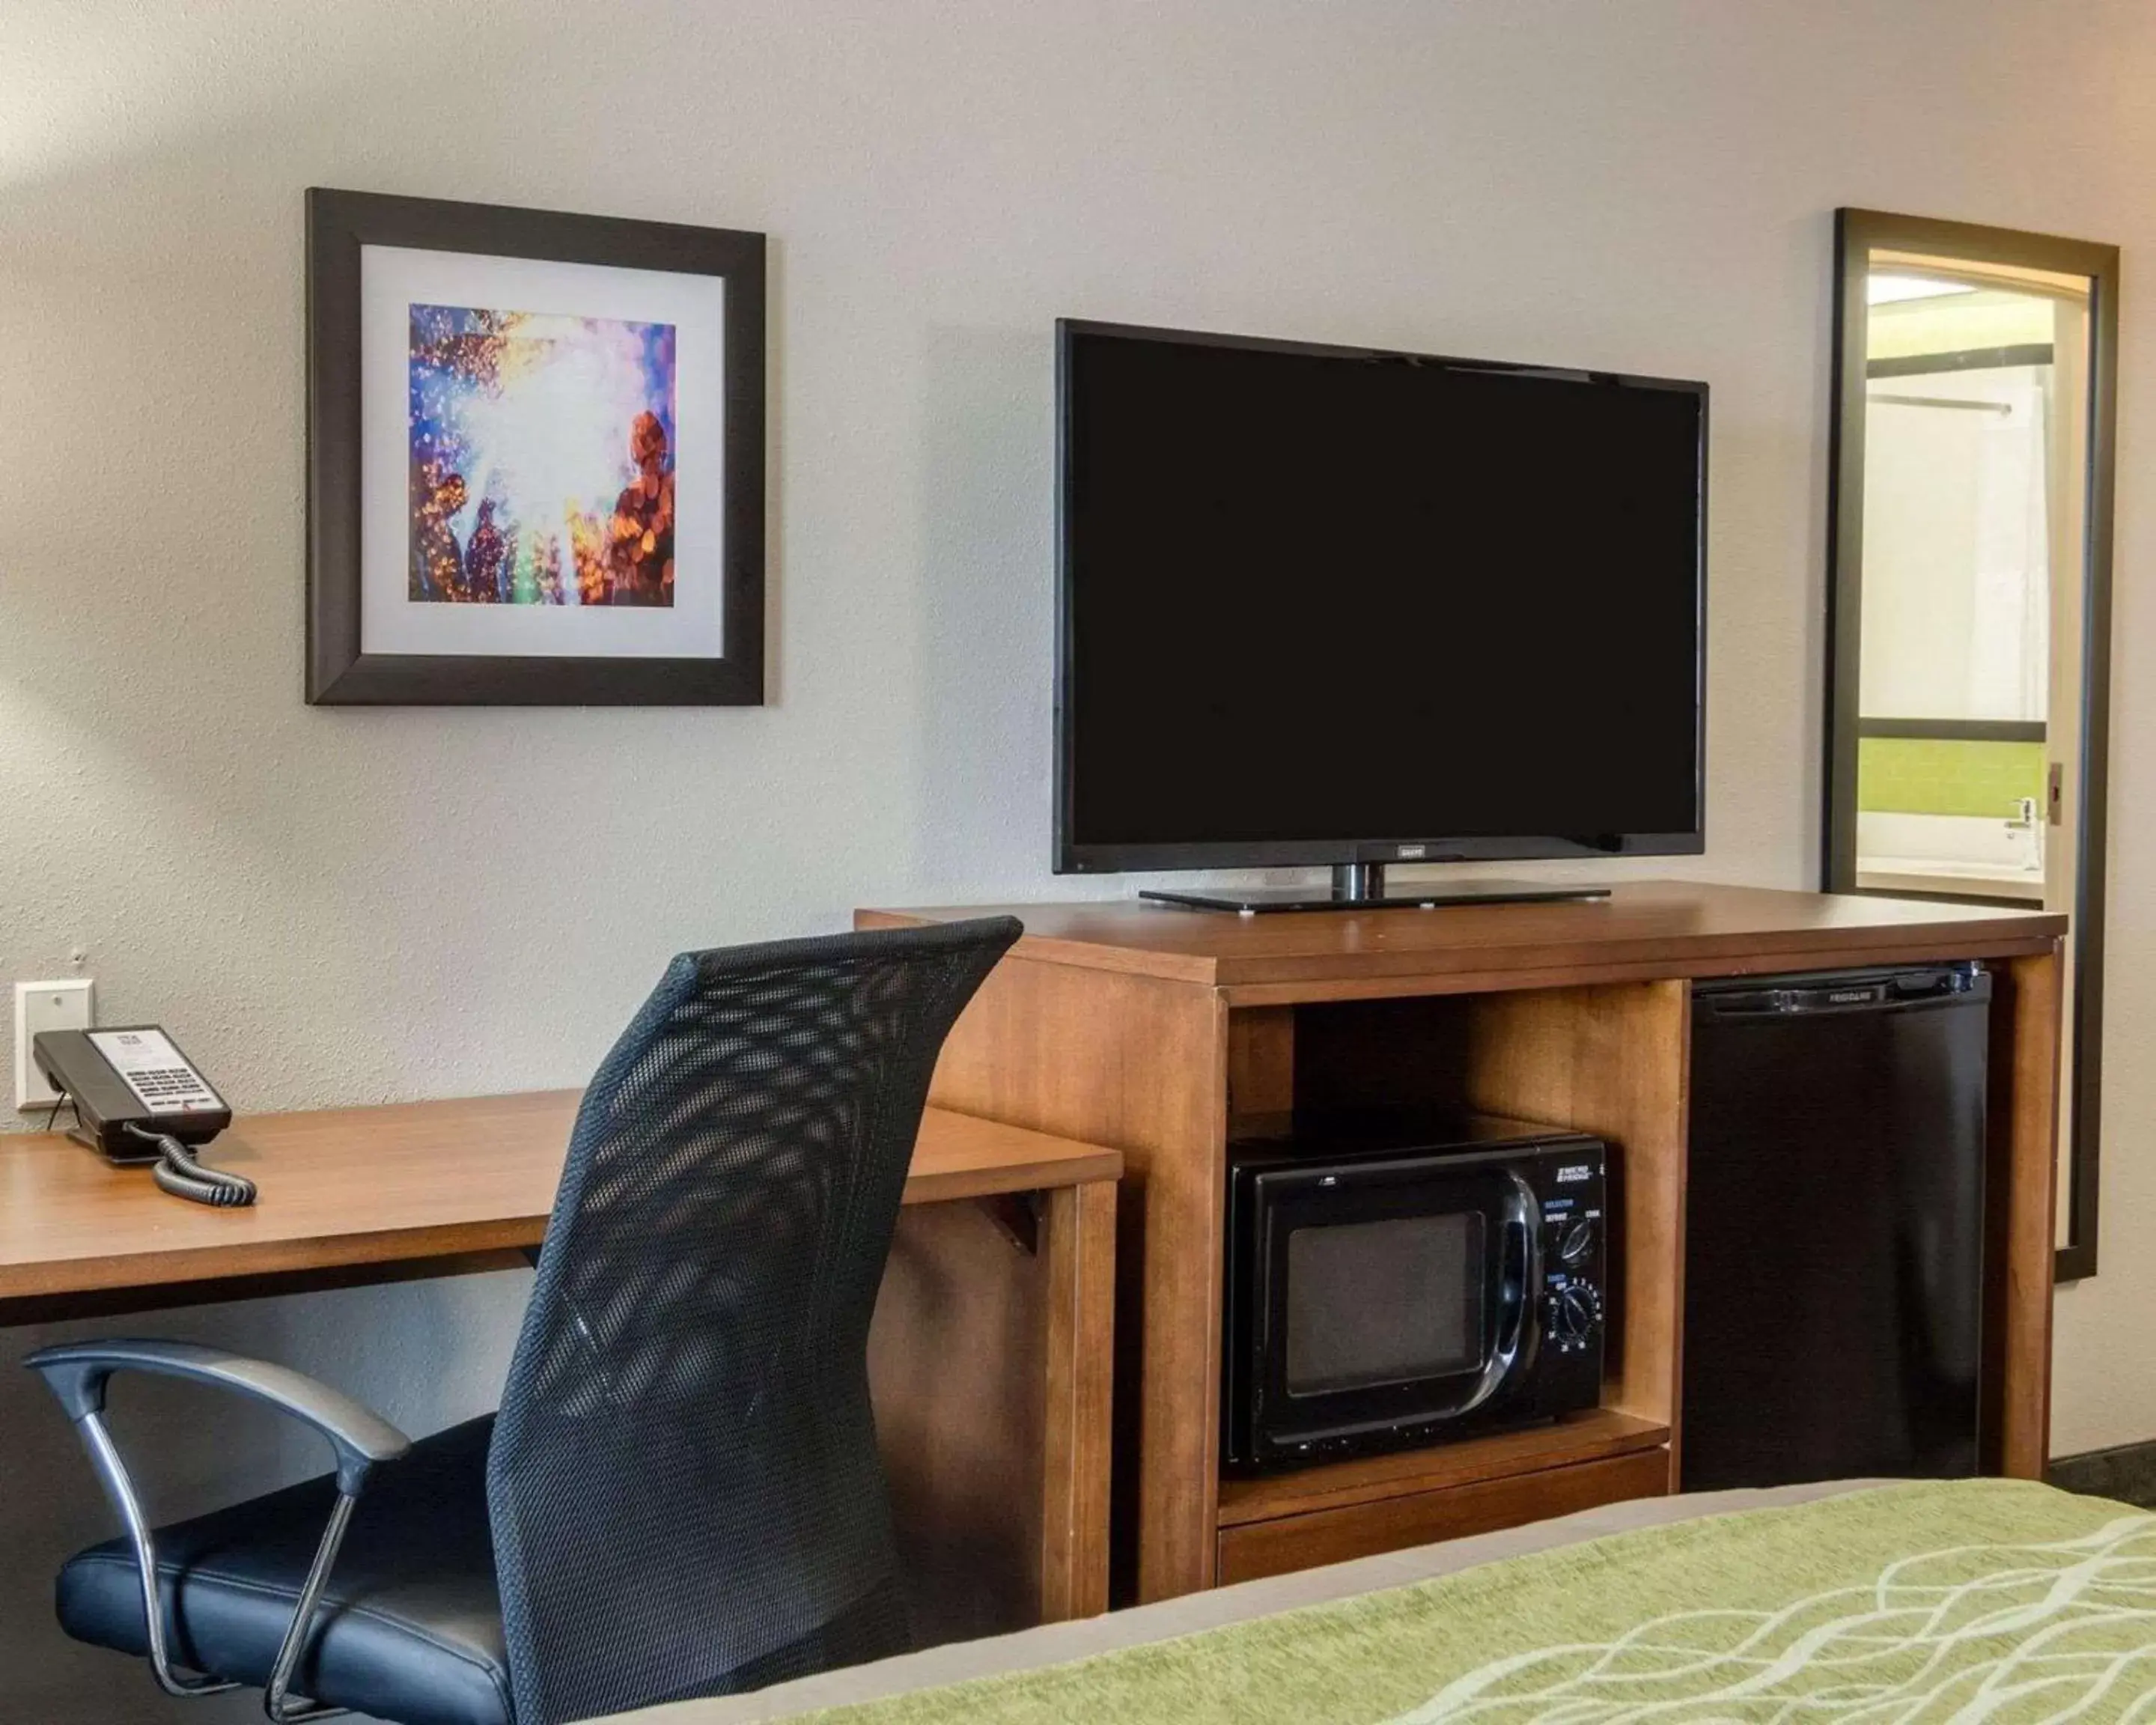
(1158, 1031)
(1145, 1062)
(2016, 1427)
(1594, 1435)
(1252, 1549)
(1615, 1061)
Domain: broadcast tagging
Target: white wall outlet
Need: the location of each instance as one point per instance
(45, 1006)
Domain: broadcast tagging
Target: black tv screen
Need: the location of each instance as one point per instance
(1322, 604)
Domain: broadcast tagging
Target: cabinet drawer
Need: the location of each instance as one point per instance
(1332, 1536)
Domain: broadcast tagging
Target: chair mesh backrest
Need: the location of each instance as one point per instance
(684, 1484)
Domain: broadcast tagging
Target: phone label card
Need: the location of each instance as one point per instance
(148, 1064)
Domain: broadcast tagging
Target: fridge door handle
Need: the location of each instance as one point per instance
(1870, 995)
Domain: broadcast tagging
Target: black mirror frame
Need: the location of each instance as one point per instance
(1857, 234)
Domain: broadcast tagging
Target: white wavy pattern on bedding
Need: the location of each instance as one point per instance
(1977, 1632)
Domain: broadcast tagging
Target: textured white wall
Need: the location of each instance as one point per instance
(346, 905)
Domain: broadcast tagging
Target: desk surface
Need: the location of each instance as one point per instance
(413, 1184)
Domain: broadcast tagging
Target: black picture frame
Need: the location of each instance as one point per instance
(1857, 233)
(339, 672)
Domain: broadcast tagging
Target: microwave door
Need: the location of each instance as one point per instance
(1383, 1304)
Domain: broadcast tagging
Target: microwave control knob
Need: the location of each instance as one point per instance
(1575, 1312)
(1578, 1240)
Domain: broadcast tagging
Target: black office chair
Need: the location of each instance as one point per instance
(680, 1495)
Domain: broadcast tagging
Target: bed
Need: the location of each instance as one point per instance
(1997, 1599)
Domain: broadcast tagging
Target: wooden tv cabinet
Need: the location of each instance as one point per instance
(1154, 1030)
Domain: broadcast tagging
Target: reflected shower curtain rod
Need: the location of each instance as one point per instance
(2001, 407)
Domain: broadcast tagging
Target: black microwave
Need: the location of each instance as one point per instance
(1394, 1283)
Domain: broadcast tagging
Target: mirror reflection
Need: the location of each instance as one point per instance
(1974, 468)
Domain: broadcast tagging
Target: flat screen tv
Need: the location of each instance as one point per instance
(1329, 605)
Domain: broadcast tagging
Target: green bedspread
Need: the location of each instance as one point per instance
(1975, 1599)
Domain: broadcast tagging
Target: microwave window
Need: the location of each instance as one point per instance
(1383, 1302)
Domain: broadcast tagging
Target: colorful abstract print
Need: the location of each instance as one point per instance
(543, 459)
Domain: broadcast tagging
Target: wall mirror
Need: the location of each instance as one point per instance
(1969, 634)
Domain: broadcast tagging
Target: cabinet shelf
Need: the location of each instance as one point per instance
(1591, 1436)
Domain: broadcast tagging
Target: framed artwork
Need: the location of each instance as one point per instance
(534, 457)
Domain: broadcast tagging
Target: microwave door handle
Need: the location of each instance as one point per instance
(1520, 1241)
(1516, 1339)
(1521, 1275)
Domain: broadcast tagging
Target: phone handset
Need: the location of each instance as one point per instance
(138, 1099)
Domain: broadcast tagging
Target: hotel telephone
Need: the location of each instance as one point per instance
(137, 1099)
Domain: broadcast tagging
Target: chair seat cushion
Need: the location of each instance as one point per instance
(409, 1629)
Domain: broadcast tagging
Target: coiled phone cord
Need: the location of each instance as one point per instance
(178, 1173)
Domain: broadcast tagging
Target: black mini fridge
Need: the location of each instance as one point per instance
(1834, 1231)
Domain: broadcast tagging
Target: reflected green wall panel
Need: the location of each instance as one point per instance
(1911, 775)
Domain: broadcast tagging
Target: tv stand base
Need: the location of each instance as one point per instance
(1361, 886)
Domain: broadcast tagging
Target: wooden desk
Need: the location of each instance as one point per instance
(1157, 1029)
(354, 1195)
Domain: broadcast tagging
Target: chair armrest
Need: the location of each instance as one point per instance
(77, 1373)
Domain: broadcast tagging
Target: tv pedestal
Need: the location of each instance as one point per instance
(1361, 886)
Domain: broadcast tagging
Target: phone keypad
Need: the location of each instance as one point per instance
(171, 1090)
(167, 1082)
